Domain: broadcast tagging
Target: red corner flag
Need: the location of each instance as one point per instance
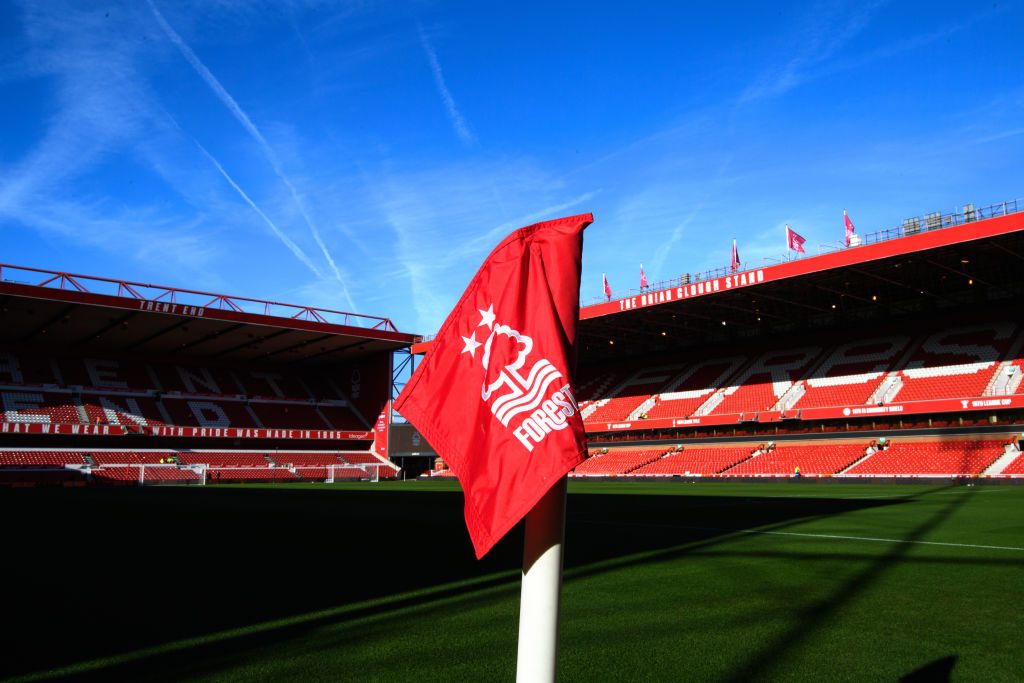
(849, 227)
(506, 420)
(643, 277)
(735, 265)
(794, 241)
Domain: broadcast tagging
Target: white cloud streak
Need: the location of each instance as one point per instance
(243, 118)
(458, 122)
(294, 248)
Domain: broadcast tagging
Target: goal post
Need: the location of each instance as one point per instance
(336, 473)
(171, 475)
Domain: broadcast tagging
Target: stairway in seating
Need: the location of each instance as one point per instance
(1007, 376)
(856, 462)
(641, 409)
(1002, 461)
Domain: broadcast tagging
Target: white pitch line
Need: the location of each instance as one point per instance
(878, 540)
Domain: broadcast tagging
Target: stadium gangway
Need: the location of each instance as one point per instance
(91, 284)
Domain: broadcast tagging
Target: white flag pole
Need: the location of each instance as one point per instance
(539, 605)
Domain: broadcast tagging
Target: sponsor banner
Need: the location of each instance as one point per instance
(943, 405)
(245, 433)
(380, 431)
(74, 430)
(662, 423)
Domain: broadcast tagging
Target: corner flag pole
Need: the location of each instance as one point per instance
(539, 605)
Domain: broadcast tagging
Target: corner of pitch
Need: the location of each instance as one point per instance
(551, 415)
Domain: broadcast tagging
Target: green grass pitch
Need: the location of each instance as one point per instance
(377, 582)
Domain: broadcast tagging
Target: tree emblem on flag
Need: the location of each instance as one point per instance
(504, 356)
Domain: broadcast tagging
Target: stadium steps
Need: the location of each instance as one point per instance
(1001, 463)
(892, 383)
(716, 399)
(888, 387)
(856, 462)
(1007, 376)
(593, 407)
(791, 397)
(89, 460)
(83, 416)
(795, 392)
(642, 408)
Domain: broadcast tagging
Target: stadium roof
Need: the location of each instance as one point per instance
(941, 263)
(101, 315)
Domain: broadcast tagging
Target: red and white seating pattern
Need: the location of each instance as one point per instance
(13, 458)
(852, 372)
(132, 475)
(223, 459)
(123, 392)
(296, 459)
(695, 461)
(618, 461)
(131, 457)
(37, 407)
(937, 458)
(1015, 467)
(761, 385)
(955, 363)
(950, 363)
(813, 460)
(631, 393)
(693, 386)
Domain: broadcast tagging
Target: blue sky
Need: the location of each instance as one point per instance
(366, 156)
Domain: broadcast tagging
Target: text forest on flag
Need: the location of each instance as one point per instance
(494, 394)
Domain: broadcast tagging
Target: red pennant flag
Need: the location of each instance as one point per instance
(643, 278)
(735, 257)
(607, 287)
(494, 395)
(794, 241)
(849, 228)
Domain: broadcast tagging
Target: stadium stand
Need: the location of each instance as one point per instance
(133, 475)
(695, 461)
(619, 461)
(815, 460)
(851, 372)
(948, 363)
(27, 458)
(223, 459)
(71, 390)
(765, 381)
(693, 387)
(1016, 467)
(955, 363)
(935, 458)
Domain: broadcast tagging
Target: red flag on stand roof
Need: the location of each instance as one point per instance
(607, 287)
(794, 240)
(506, 421)
(735, 257)
(643, 277)
(849, 228)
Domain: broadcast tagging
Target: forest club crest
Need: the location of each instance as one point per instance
(518, 395)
